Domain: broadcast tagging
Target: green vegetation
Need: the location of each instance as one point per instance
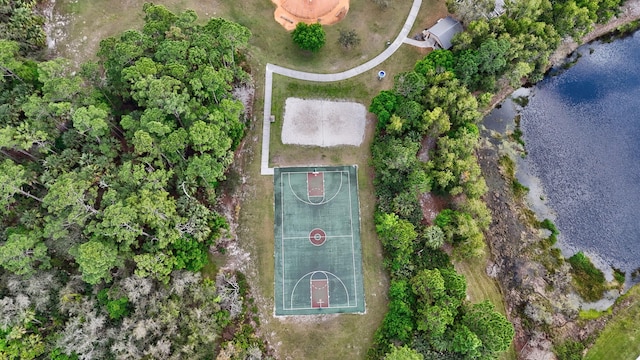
(589, 280)
(619, 276)
(124, 159)
(515, 47)
(593, 314)
(428, 311)
(620, 335)
(518, 189)
(569, 350)
(21, 25)
(517, 133)
(628, 28)
(549, 225)
(309, 37)
(109, 182)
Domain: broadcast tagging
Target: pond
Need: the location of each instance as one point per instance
(582, 137)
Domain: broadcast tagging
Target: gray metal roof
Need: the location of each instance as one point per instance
(444, 30)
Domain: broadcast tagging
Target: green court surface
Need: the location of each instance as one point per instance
(318, 256)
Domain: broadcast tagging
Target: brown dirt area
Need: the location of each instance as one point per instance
(326, 12)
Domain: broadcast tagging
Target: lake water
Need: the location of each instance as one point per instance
(582, 135)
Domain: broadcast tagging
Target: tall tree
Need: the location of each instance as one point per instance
(96, 259)
(24, 252)
(309, 37)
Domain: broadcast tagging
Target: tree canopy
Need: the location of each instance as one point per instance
(108, 183)
(309, 37)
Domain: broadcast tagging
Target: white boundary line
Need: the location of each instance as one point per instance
(307, 237)
(311, 274)
(282, 239)
(353, 252)
(282, 234)
(323, 201)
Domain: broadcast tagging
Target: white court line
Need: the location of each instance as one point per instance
(312, 203)
(282, 234)
(307, 237)
(311, 273)
(353, 252)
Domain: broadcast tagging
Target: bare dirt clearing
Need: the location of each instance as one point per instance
(323, 123)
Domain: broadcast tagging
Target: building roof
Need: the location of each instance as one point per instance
(444, 30)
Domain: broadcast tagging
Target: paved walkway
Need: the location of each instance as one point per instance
(301, 75)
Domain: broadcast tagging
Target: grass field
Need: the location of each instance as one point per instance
(89, 21)
(620, 338)
(481, 287)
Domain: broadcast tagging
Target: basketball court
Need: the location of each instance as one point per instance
(318, 259)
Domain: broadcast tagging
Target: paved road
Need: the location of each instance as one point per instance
(302, 75)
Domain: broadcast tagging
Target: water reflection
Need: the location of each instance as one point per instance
(582, 135)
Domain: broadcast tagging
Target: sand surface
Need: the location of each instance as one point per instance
(326, 12)
(323, 123)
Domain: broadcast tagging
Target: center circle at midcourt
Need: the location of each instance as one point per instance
(317, 237)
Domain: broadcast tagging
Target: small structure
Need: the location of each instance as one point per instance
(442, 32)
(381, 74)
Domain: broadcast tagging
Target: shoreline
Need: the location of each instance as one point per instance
(630, 11)
(531, 343)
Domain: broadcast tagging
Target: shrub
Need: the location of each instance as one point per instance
(569, 350)
(549, 225)
(309, 37)
(589, 280)
(619, 275)
(348, 38)
(118, 308)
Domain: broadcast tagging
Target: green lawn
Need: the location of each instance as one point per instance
(620, 338)
(89, 21)
(481, 287)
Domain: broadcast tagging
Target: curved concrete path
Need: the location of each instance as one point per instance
(302, 75)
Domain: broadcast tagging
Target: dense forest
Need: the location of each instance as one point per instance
(425, 142)
(108, 185)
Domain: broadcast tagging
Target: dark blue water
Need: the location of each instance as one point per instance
(582, 134)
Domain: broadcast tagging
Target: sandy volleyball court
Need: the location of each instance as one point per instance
(323, 123)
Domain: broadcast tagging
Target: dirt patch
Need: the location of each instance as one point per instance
(323, 123)
(432, 205)
(326, 12)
